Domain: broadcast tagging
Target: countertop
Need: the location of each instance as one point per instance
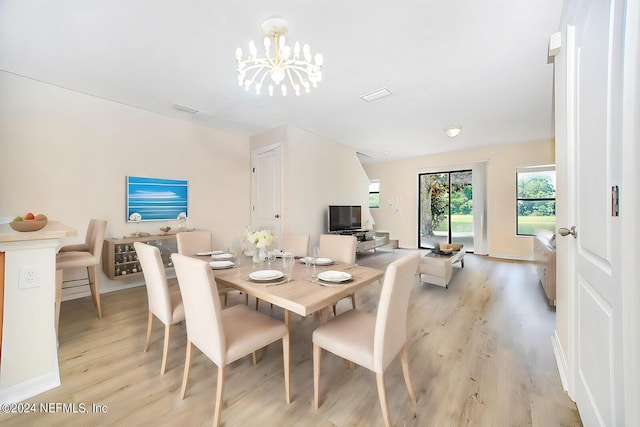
(53, 230)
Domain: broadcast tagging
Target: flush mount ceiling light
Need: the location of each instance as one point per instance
(286, 67)
(453, 131)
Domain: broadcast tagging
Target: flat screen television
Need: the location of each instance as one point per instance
(343, 218)
(156, 199)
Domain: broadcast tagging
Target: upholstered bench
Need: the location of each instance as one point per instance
(437, 269)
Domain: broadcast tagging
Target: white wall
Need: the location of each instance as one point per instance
(399, 186)
(66, 154)
(317, 172)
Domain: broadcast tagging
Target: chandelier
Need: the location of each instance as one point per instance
(285, 68)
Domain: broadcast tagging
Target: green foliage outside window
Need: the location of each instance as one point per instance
(536, 201)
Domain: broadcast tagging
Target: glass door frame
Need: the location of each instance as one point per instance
(449, 227)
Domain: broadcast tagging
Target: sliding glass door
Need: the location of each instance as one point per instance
(446, 208)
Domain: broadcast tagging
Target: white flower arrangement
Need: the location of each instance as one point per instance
(261, 238)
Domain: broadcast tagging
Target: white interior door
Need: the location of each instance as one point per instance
(594, 100)
(266, 188)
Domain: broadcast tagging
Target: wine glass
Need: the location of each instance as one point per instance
(315, 254)
(271, 256)
(288, 261)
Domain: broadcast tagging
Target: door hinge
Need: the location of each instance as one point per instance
(615, 201)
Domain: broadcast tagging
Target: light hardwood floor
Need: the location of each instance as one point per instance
(479, 354)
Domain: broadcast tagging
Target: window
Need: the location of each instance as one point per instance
(374, 193)
(536, 200)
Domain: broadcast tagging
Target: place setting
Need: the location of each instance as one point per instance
(221, 265)
(333, 278)
(316, 261)
(267, 277)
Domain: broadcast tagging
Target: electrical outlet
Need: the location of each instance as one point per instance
(29, 277)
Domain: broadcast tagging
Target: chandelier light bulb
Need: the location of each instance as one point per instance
(284, 66)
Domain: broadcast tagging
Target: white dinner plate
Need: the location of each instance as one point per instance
(219, 265)
(334, 276)
(262, 275)
(208, 253)
(319, 261)
(221, 256)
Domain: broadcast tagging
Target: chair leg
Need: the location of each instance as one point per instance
(286, 360)
(246, 299)
(353, 300)
(219, 389)
(257, 303)
(405, 371)
(382, 396)
(317, 352)
(95, 288)
(334, 310)
(187, 367)
(254, 358)
(149, 325)
(226, 298)
(165, 351)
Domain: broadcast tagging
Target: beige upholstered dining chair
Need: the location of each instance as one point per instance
(192, 242)
(164, 303)
(88, 255)
(224, 336)
(340, 248)
(373, 341)
(297, 244)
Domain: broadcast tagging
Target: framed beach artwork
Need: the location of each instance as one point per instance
(156, 199)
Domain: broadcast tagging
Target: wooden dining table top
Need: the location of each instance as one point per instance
(301, 293)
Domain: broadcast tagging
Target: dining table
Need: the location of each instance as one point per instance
(301, 292)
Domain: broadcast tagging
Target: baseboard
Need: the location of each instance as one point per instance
(513, 257)
(561, 362)
(81, 291)
(28, 389)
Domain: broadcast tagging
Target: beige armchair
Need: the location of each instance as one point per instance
(224, 336)
(373, 341)
(164, 303)
(340, 248)
(87, 255)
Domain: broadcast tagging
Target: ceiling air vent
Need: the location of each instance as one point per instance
(185, 109)
(376, 94)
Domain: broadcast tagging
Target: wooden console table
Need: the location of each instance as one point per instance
(119, 258)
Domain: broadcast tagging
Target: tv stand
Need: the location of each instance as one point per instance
(366, 240)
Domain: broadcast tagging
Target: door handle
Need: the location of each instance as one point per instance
(566, 231)
(276, 216)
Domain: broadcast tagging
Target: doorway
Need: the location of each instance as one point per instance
(446, 209)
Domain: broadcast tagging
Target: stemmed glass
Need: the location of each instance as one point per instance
(315, 254)
(288, 261)
(271, 256)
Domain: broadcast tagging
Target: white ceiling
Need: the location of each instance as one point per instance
(480, 64)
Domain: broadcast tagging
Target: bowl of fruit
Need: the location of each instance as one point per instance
(29, 222)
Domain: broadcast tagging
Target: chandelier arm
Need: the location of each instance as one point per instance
(291, 78)
(264, 76)
(299, 68)
(253, 78)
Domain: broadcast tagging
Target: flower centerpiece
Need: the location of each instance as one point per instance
(263, 240)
